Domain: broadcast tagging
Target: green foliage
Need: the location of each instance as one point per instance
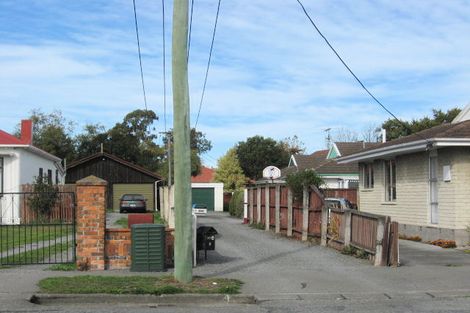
(229, 172)
(396, 129)
(52, 133)
(44, 197)
(258, 152)
(297, 181)
(358, 253)
(66, 267)
(257, 226)
(236, 204)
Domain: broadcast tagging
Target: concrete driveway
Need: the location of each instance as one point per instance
(274, 265)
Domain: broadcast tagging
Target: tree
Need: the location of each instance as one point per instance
(371, 133)
(199, 145)
(90, 140)
(396, 129)
(293, 145)
(258, 152)
(229, 172)
(52, 133)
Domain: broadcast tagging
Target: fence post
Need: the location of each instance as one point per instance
(266, 207)
(252, 200)
(278, 208)
(289, 212)
(91, 222)
(324, 226)
(347, 227)
(379, 242)
(258, 204)
(305, 205)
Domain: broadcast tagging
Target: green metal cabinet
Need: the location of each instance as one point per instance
(148, 248)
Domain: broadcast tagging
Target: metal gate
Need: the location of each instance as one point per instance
(37, 228)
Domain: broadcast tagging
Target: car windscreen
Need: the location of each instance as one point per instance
(132, 197)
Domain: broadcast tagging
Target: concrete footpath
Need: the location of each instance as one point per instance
(275, 268)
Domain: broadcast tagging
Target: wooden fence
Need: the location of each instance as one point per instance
(274, 207)
(373, 233)
(347, 193)
(63, 209)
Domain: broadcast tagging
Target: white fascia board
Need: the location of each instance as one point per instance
(452, 142)
(409, 147)
(35, 150)
(43, 153)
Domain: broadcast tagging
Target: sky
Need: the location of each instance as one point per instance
(271, 73)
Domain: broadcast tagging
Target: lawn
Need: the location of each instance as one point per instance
(12, 236)
(137, 285)
(39, 255)
(157, 219)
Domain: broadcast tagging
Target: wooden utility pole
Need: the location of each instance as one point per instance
(182, 156)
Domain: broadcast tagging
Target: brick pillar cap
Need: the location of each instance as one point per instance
(91, 181)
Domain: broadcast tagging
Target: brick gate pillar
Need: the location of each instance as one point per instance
(91, 222)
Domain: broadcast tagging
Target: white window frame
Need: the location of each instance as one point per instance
(390, 180)
(368, 175)
(1, 175)
(433, 187)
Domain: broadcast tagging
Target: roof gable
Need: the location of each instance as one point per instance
(116, 159)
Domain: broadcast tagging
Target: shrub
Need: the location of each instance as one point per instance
(444, 243)
(412, 238)
(44, 198)
(235, 207)
(297, 182)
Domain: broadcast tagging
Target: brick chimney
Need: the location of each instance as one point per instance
(27, 132)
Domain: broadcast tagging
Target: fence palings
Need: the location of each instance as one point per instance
(341, 227)
(363, 232)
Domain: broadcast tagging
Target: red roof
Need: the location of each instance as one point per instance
(7, 139)
(206, 176)
(26, 135)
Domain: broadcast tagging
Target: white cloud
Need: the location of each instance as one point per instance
(271, 73)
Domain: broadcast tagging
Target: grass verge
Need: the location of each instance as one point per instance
(157, 219)
(65, 267)
(37, 256)
(137, 285)
(13, 236)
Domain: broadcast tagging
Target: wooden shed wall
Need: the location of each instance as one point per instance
(111, 171)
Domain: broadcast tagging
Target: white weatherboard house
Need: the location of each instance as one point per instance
(21, 163)
(422, 181)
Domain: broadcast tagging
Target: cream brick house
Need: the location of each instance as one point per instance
(422, 181)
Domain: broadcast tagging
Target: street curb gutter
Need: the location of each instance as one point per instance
(49, 299)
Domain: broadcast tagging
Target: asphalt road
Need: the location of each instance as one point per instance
(291, 276)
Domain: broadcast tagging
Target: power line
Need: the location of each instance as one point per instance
(352, 73)
(164, 62)
(208, 64)
(140, 55)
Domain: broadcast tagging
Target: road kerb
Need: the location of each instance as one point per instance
(51, 299)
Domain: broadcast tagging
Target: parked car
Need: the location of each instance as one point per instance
(339, 203)
(132, 203)
(199, 208)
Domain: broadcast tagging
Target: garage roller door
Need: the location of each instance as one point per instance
(145, 189)
(204, 196)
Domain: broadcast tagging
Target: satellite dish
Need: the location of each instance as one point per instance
(271, 172)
